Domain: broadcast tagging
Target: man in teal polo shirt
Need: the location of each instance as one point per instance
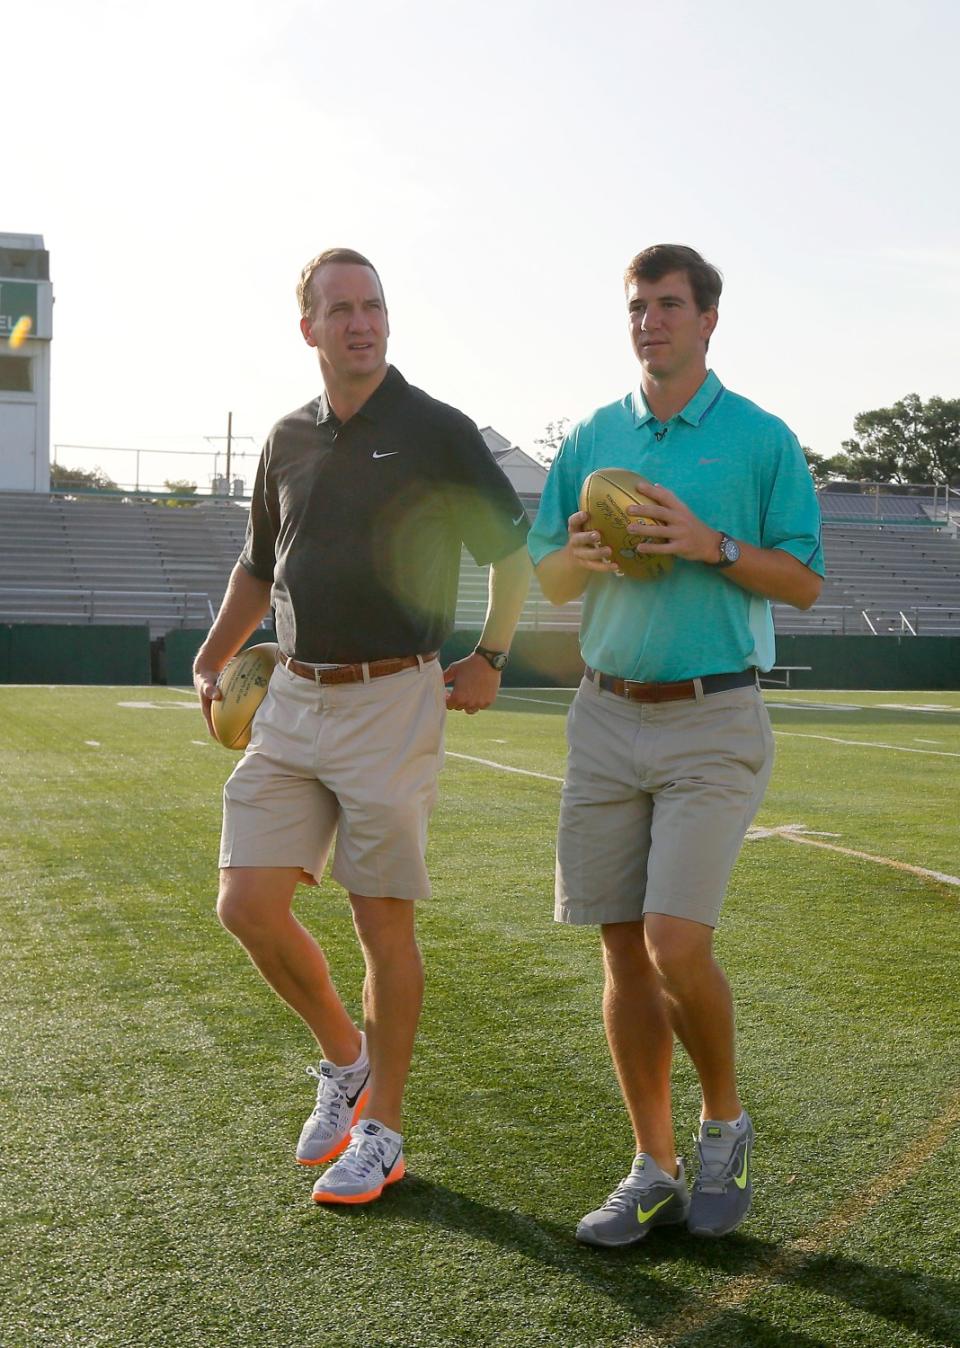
(670, 744)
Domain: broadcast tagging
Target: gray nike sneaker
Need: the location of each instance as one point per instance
(648, 1197)
(724, 1186)
(373, 1160)
(341, 1097)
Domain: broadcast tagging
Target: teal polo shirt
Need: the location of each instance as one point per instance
(741, 471)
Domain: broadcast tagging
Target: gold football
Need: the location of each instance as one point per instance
(243, 686)
(605, 495)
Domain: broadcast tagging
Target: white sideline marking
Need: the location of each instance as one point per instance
(816, 706)
(502, 767)
(94, 744)
(866, 744)
(904, 706)
(798, 833)
(544, 701)
(161, 706)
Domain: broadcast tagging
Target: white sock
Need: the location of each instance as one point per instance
(361, 1061)
(737, 1122)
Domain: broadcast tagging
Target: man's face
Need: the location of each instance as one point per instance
(668, 331)
(347, 323)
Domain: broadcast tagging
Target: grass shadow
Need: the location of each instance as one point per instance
(914, 1302)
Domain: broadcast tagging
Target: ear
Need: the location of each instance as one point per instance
(708, 322)
(307, 334)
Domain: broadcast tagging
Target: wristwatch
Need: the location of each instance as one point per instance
(729, 552)
(495, 659)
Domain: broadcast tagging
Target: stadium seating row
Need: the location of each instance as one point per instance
(103, 559)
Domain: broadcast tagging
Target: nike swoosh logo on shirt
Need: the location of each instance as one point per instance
(520, 517)
(388, 455)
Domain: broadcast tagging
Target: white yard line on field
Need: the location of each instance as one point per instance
(502, 767)
(161, 706)
(544, 701)
(906, 706)
(866, 744)
(798, 834)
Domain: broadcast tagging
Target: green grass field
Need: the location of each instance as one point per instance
(152, 1087)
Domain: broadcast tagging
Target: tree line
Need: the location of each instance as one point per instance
(912, 441)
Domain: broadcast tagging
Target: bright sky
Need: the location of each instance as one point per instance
(500, 163)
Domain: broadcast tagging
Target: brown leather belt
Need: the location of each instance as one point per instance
(375, 669)
(684, 690)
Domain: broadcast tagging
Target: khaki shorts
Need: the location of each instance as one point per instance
(359, 760)
(656, 801)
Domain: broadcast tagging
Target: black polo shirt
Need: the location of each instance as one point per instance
(359, 524)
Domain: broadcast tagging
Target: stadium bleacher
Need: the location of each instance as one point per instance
(108, 558)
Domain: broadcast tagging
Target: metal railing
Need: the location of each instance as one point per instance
(851, 620)
(79, 604)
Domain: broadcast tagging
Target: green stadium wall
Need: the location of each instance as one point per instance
(552, 659)
(74, 654)
(45, 653)
(872, 662)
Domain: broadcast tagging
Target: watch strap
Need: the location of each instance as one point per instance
(495, 659)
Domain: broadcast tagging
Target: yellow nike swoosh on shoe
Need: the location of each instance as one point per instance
(741, 1180)
(645, 1216)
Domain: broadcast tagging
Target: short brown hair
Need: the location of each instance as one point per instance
(654, 263)
(304, 296)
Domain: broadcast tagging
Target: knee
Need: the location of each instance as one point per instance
(625, 957)
(241, 914)
(232, 911)
(678, 950)
(384, 927)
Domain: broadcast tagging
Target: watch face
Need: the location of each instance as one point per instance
(498, 661)
(730, 550)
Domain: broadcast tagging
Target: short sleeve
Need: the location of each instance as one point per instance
(791, 517)
(260, 545)
(557, 504)
(491, 518)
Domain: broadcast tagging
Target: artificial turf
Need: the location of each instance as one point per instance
(151, 1087)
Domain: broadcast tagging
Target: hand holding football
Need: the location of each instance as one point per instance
(243, 686)
(605, 496)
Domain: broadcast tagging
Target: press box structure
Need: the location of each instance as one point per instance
(25, 292)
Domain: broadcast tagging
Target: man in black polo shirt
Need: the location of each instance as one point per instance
(362, 501)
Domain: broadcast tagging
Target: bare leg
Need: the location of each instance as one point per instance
(255, 907)
(392, 998)
(698, 1001)
(641, 1039)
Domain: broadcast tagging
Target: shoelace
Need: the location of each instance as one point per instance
(364, 1154)
(717, 1164)
(626, 1193)
(328, 1100)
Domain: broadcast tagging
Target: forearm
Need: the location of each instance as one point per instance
(561, 576)
(776, 575)
(244, 606)
(509, 583)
